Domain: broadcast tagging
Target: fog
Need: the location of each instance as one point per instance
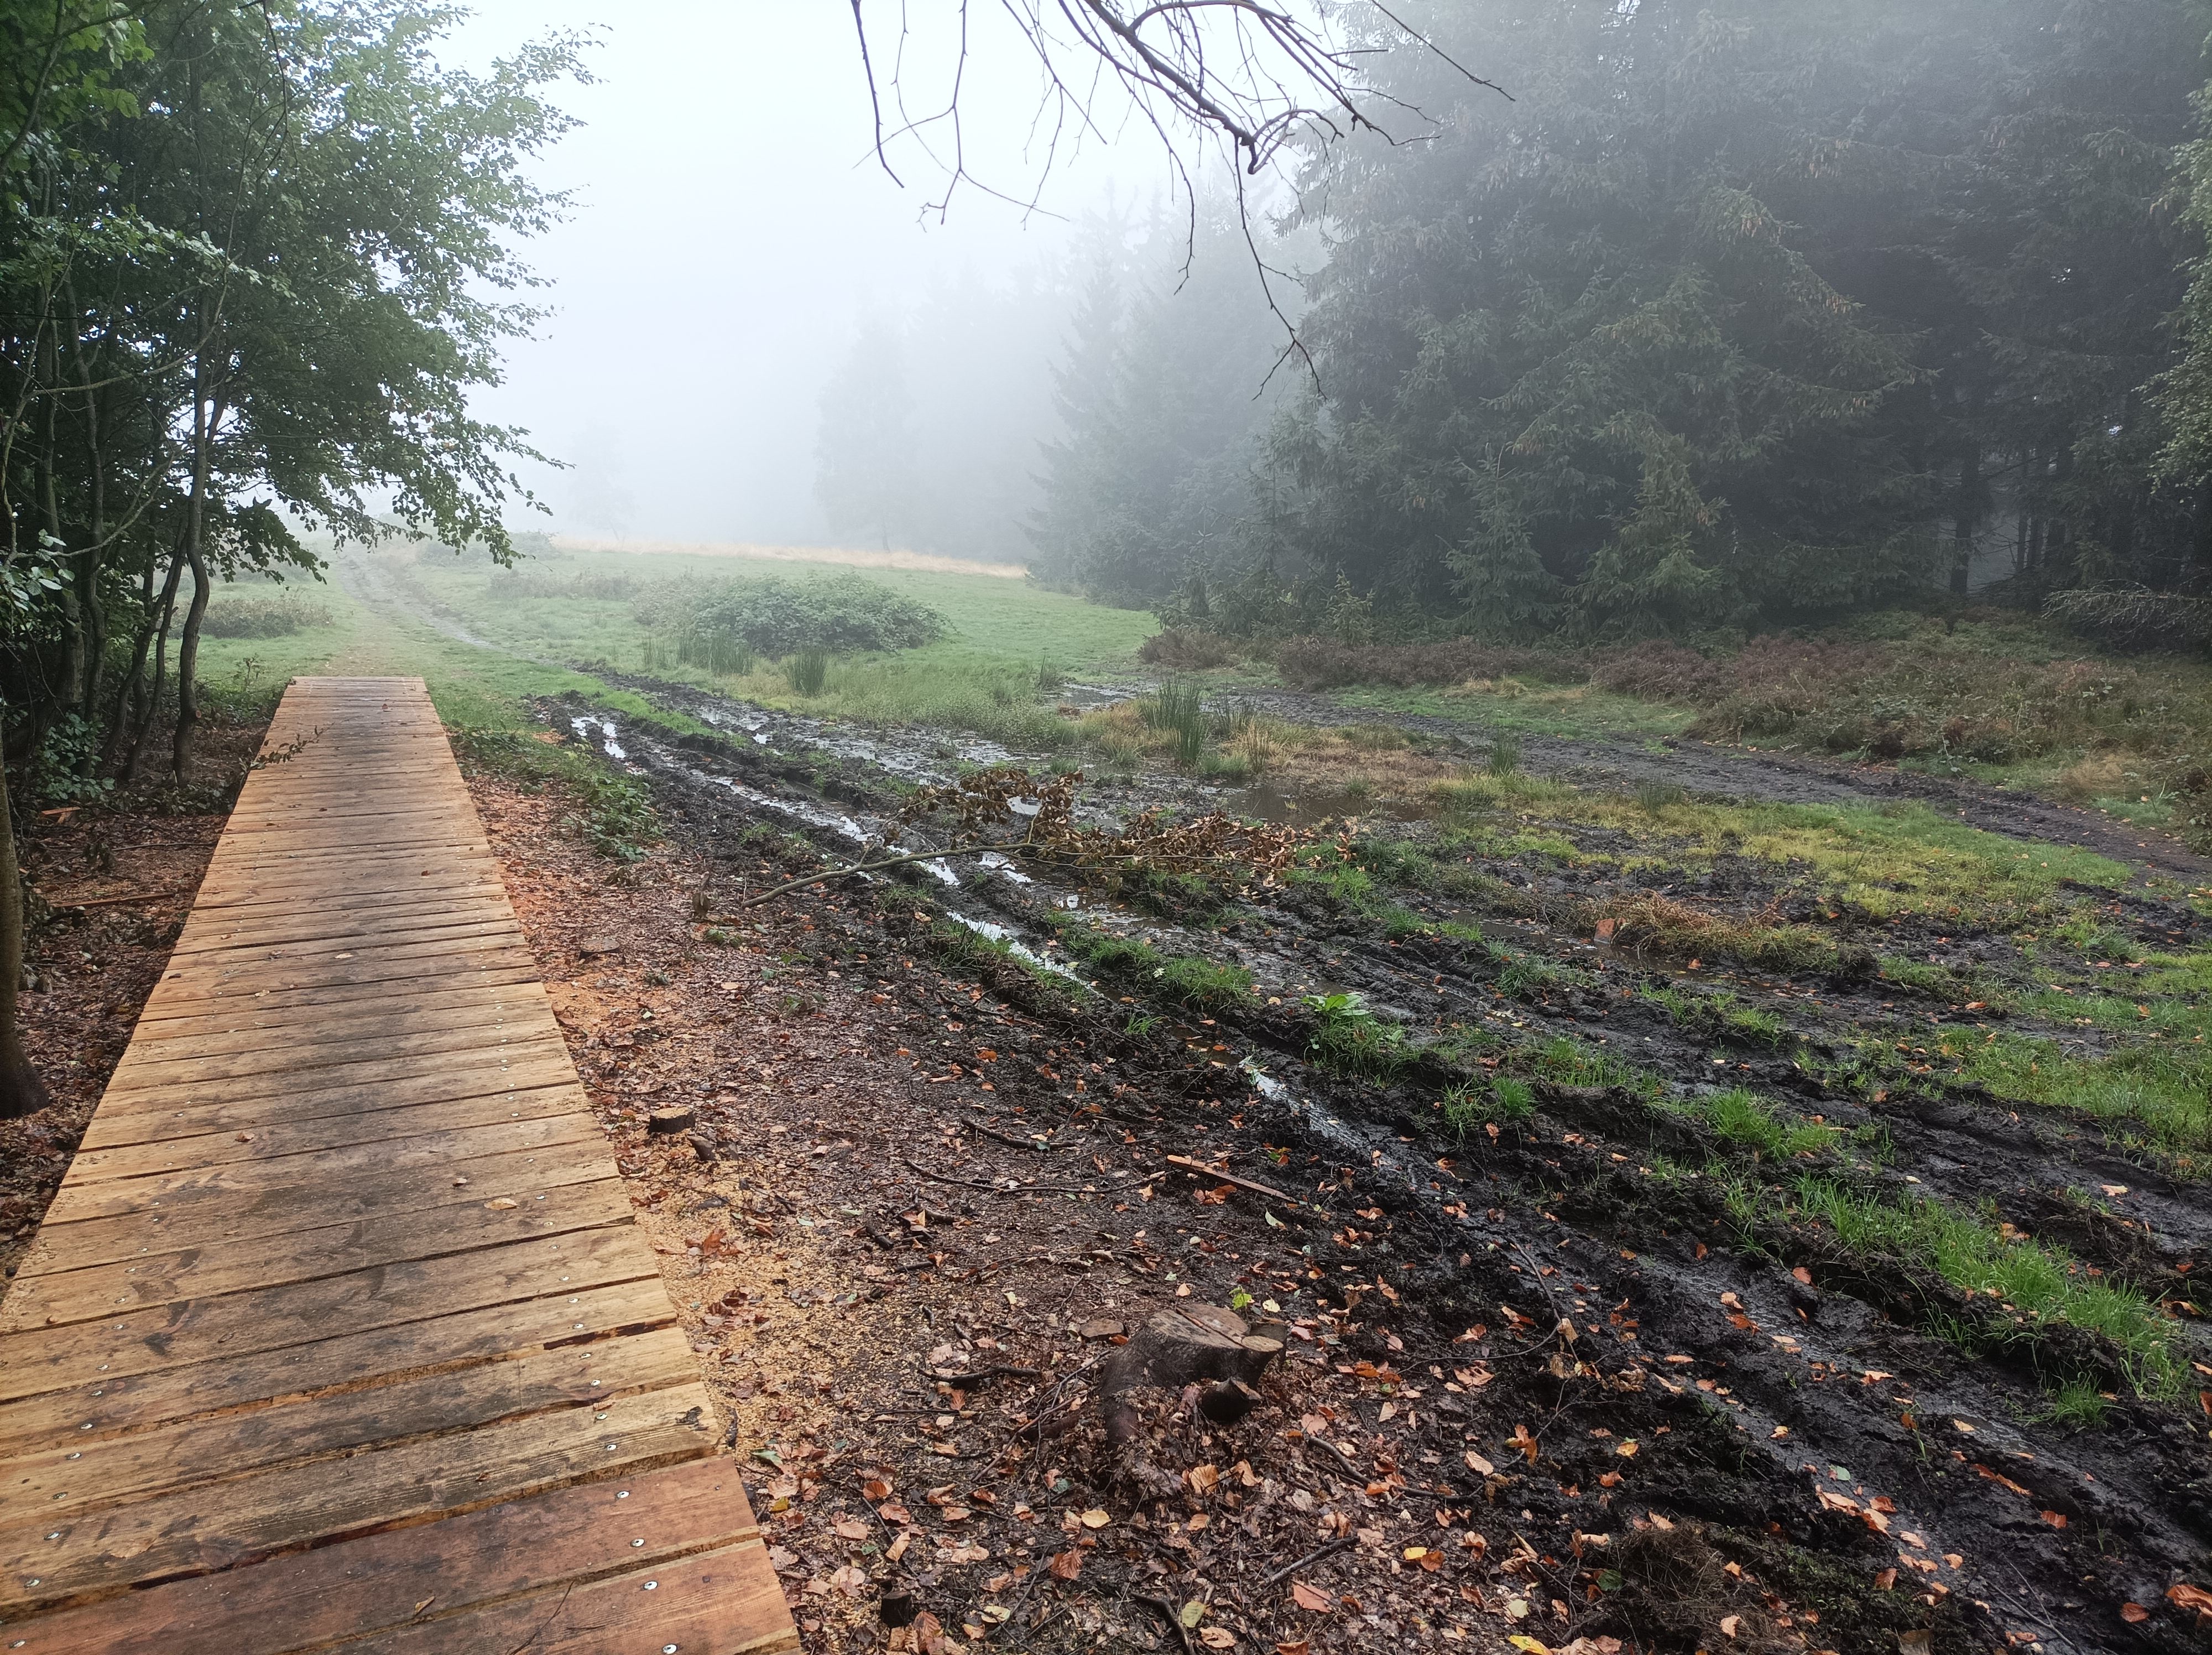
(731, 235)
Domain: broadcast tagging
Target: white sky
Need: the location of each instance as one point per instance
(730, 229)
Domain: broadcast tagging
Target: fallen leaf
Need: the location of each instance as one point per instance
(2055, 1519)
(2184, 1595)
(1885, 1581)
(1918, 1641)
(502, 1203)
(1217, 1638)
(876, 1490)
(1302, 1646)
(2134, 1613)
(1095, 1518)
(1480, 1466)
(1312, 1598)
(1067, 1565)
(1205, 1478)
(1527, 1645)
(1193, 1612)
(850, 1529)
(1521, 1440)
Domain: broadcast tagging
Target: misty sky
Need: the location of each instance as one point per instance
(730, 230)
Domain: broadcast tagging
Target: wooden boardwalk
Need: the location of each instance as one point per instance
(339, 1334)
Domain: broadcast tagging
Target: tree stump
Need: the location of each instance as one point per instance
(1211, 1355)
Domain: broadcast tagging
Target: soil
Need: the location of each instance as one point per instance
(1619, 1358)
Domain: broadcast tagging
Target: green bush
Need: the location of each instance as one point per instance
(262, 617)
(808, 671)
(840, 613)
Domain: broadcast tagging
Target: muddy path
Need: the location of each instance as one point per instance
(1642, 1331)
(1745, 775)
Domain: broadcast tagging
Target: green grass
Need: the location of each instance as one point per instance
(1749, 1122)
(988, 676)
(2160, 1094)
(1347, 1036)
(1470, 1107)
(2033, 1282)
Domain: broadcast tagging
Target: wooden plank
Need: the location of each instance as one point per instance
(333, 1062)
(727, 1602)
(519, 1012)
(146, 1116)
(127, 1218)
(309, 1600)
(289, 1135)
(46, 1294)
(281, 1014)
(240, 1325)
(439, 1344)
(182, 1203)
(467, 961)
(189, 1532)
(56, 1482)
(277, 1006)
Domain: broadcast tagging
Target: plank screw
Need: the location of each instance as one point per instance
(634, 1543)
(623, 1495)
(650, 1586)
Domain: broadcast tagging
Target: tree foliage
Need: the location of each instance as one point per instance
(1739, 312)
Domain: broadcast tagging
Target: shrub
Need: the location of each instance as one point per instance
(808, 671)
(263, 618)
(840, 614)
(1316, 663)
(2135, 618)
(610, 587)
(1187, 651)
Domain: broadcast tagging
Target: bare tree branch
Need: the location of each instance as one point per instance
(1248, 79)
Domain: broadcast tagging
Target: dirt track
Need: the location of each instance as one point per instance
(1788, 1399)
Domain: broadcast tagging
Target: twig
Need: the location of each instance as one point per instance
(1041, 1144)
(1166, 1611)
(1278, 1576)
(965, 1184)
(982, 1374)
(1342, 1458)
(103, 902)
(1255, 1187)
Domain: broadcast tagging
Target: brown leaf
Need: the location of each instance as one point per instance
(850, 1529)
(1217, 1638)
(2184, 1595)
(1205, 1478)
(1311, 1598)
(1302, 1646)
(2134, 1613)
(1527, 1443)
(1067, 1565)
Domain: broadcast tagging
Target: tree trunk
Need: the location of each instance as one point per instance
(206, 415)
(153, 709)
(132, 709)
(21, 1090)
